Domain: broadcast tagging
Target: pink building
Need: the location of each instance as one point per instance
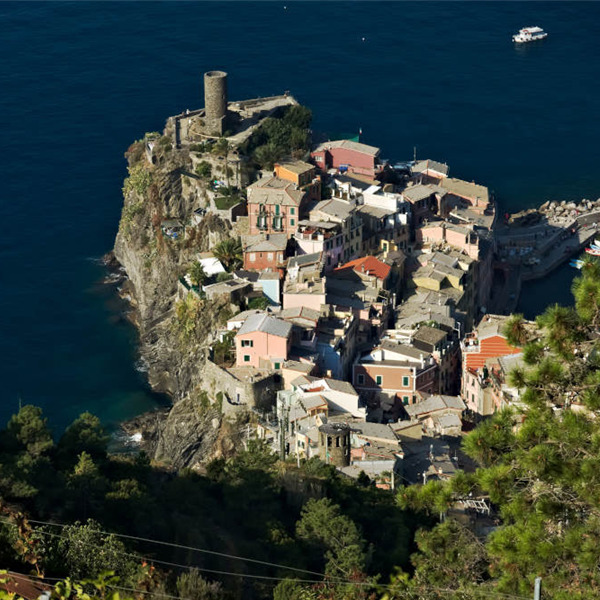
(263, 342)
(349, 156)
(458, 236)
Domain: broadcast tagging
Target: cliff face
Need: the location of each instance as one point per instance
(158, 189)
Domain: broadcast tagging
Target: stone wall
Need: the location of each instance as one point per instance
(237, 394)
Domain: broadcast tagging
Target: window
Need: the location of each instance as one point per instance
(270, 256)
(360, 379)
(278, 223)
(292, 222)
(247, 343)
(277, 365)
(246, 358)
(252, 256)
(405, 381)
(378, 379)
(405, 400)
(292, 211)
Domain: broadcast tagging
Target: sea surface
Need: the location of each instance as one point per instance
(79, 81)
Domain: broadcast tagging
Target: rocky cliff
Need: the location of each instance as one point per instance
(160, 186)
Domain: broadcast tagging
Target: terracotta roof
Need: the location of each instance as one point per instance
(491, 347)
(348, 145)
(368, 265)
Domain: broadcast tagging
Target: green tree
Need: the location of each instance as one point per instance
(84, 434)
(192, 586)
(260, 303)
(86, 486)
(322, 524)
(82, 551)
(28, 430)
(203, 169)
(230, 253)
(197, 274)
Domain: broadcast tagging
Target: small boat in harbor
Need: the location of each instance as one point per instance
(529, 34)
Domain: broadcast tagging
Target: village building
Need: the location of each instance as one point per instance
(324, 237)
(265, 252)
(302, 174)
(439, 415)
(397, 371)
(292, 369)
(234, 291)
(461, 193)
(349, 187)
(347, 156)
(263, 341)
(445, 350)
(337, 341)
(275, 206)
(485, 343)
(264, 283)
(429, 171)
(424, 201)
(341, 397)
(344, 213)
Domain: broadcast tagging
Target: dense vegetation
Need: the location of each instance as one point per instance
(251, 506)
(277, 138)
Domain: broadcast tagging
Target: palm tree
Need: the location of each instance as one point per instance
(197, 274)
(230, 253)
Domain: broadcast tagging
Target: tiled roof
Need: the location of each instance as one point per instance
(417, 192)
(348, 145)
(368, 265)
(270, 242)
(266, 324)
(491, 347)
(434, 403)
(339, 209)
(273, 190)
(434, 165)
(296, 166)
(465, 189)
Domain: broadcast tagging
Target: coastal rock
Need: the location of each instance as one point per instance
(544, 206)
(153, 264)
(187, 437)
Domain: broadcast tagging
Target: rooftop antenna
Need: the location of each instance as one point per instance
(414, 153)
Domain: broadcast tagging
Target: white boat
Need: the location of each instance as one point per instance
(529, 34)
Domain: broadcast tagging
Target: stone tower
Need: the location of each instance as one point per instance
(334, 444)
(215, 102)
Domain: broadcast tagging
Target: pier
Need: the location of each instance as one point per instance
(532, 243)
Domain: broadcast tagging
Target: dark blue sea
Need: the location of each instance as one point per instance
(80, 80)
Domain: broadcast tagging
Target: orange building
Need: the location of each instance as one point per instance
(480, 350)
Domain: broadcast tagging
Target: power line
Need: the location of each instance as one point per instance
(191, 548)
(338, 581)
(402, 593)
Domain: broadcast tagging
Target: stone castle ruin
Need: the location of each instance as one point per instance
(220, 118)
